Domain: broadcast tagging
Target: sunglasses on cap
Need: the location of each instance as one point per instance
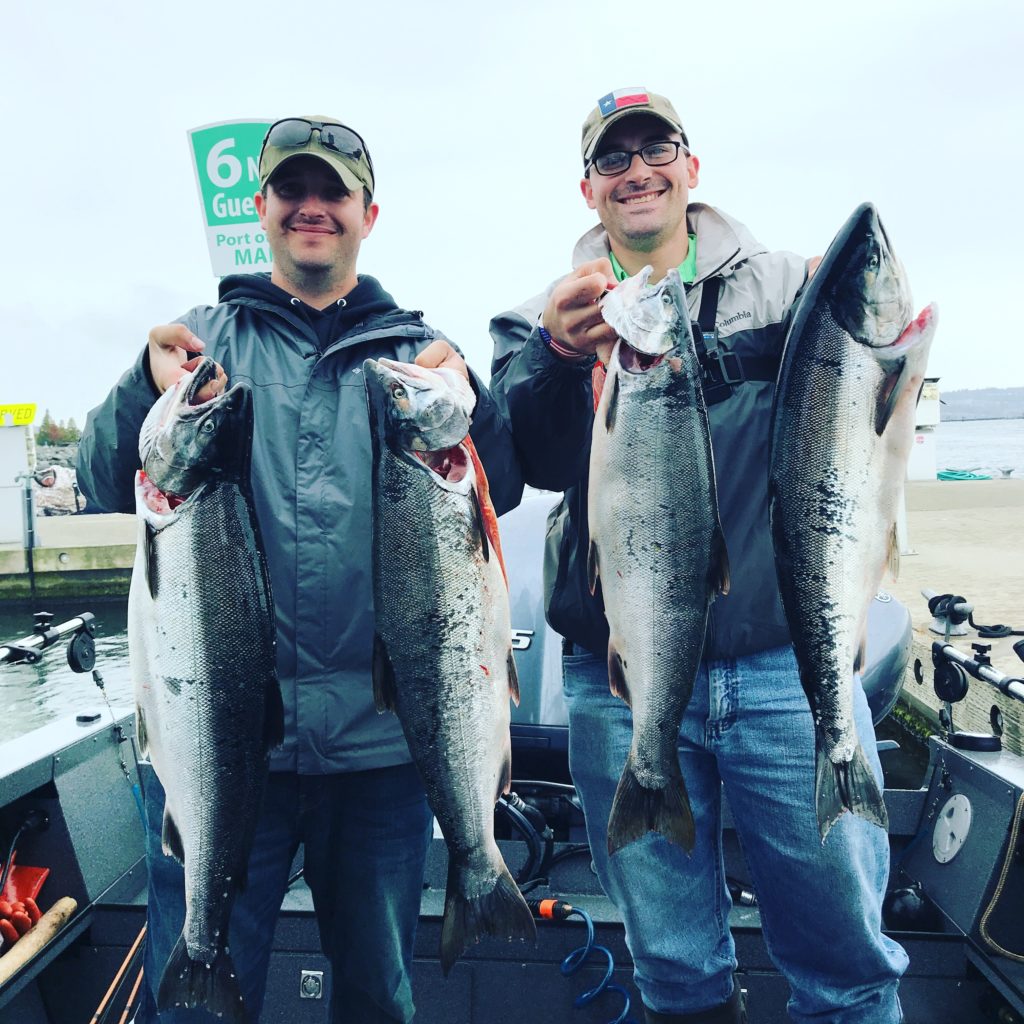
(293, 132)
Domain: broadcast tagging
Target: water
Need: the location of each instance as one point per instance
(33, 695)
(981, 446)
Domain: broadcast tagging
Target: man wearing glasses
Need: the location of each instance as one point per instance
(342, 783)
(748, 725)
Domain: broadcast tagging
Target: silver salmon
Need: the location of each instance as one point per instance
(202, 636)
(442, 656)
(842, 428)
(656, 543)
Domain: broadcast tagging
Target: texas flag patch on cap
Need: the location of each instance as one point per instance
(622, 98)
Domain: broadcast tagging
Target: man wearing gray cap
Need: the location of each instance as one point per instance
(342, 783)
(748, 727)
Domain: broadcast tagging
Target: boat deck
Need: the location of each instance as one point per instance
(72, 771)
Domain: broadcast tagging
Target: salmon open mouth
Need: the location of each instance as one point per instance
(205, 372)
(155, 499)
(450, 464)
(634, 361)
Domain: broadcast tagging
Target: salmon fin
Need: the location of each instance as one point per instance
(598, 376)
(385, 689)
(487, 517)
(273, 715)
(613, 405)
(141, 734)
(637, 811)
(505, 775)
(617, 676)
(719, 568)
(893, 560)
(846, 786)
(501, 911)
(592, 566)
(860, 655)
(513, 679)
(190, 983)
(481, 529)
(170, 838)
(888, 395)
(149, 561)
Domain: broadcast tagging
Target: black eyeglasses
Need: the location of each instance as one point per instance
(297, 131)
(656, 154)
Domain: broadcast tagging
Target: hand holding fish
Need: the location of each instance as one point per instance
(573, 317)
(442, 354)
(174, 351)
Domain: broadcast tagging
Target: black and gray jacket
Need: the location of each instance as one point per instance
(311, 476)
(549, 403)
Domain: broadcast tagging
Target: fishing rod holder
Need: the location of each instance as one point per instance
(81, 651)
(952, 672)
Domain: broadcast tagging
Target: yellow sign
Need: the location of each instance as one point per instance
(17, 415)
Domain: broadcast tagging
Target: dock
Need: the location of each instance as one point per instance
(75, 558)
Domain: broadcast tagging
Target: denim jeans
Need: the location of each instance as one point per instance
(747, 729)
(365, 836)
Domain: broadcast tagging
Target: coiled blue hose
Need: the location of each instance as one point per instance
(576, 960)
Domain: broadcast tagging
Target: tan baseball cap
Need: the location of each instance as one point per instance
(624, 103)
(342, 149)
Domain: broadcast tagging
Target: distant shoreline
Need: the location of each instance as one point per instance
(975, 419)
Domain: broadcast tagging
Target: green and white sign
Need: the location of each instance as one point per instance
(226, 158)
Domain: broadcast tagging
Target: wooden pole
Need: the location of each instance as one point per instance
(36, 938)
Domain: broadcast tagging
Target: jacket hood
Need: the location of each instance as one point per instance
(367, 304)
(724, 242)
(368, 297)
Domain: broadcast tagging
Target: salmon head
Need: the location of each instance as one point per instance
(422, 415)
(865, 283)
(650, 320)
(184, 443)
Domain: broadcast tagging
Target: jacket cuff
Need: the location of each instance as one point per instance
(546, 359)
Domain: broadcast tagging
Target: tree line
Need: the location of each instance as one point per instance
(52, 432)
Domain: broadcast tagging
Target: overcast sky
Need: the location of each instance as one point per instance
(472, 111)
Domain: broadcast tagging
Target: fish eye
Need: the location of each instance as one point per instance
(874, 261)
(208, 427)
(398, 391)
(666, 298)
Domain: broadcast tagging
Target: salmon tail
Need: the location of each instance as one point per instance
(846, 786)
(501, 911)
(637, 811)
(191, 983)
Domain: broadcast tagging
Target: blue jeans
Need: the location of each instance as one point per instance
(748, 729)
(365, 837)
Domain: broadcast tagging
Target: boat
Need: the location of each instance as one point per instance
(69, 796)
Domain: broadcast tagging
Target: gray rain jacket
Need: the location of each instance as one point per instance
(549, 403)
(311, 477)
